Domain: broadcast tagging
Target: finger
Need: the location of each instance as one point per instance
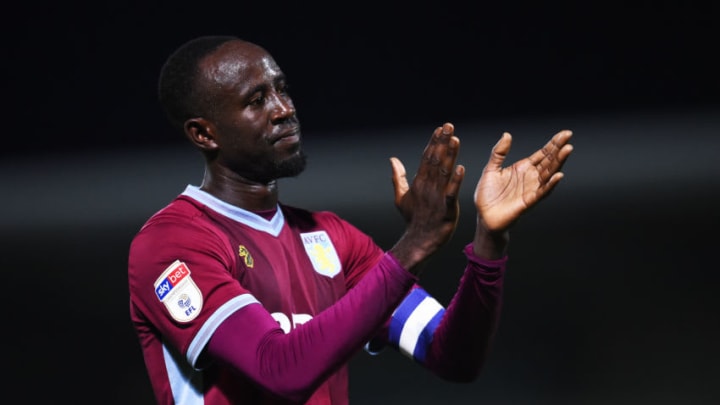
(447, 165)
(426, 159)
(436, 150)
(452, 191)
(551, 149)
(399, 179)
(550, 158)
(552, 179)
(563, 154)
(550, 185)
(499, 152)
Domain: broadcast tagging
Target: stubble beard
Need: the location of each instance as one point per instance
(291, 167)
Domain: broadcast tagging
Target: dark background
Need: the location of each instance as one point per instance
(611, 289)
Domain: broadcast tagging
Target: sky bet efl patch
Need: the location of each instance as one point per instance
(181, 296)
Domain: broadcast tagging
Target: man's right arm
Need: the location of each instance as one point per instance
(293, 365)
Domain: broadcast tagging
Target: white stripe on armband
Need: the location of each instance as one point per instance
(414, 322)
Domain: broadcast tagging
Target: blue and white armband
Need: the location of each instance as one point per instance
(413, 324)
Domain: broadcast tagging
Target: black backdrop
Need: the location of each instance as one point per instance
(90, 68)
(610, 295)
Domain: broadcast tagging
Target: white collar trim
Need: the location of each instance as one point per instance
(249, 218)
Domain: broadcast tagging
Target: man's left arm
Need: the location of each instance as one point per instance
(451, 342)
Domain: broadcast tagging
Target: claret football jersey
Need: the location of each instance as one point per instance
(199, 259)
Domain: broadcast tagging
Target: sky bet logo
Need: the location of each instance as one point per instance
(177, 274)
(178, 291)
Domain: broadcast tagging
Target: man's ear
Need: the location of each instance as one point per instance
(201, 133)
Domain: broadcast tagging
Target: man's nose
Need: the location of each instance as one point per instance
(283, 107)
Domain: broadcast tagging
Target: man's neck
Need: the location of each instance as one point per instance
(248, 195)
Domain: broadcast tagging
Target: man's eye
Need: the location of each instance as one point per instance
(281, 87)
(259, 100)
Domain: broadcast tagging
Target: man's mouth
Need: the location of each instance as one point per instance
(290, 137)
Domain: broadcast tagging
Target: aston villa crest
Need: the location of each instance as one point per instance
(322, 253)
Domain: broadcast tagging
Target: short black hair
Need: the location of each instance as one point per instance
(177, 90)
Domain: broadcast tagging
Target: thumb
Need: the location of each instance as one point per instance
(399, 179)
(499, 152)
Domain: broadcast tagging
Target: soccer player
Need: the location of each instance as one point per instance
(238, 298)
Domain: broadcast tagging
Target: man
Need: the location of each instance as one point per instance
(238, 298)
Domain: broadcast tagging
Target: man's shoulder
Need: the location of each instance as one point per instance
(181, 210)
(179, 206)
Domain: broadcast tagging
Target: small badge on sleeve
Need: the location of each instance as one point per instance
(177, 290)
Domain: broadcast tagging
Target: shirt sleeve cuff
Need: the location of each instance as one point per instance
(394, 267)
(482, 264)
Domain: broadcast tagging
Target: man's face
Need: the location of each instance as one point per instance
(255, 124)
